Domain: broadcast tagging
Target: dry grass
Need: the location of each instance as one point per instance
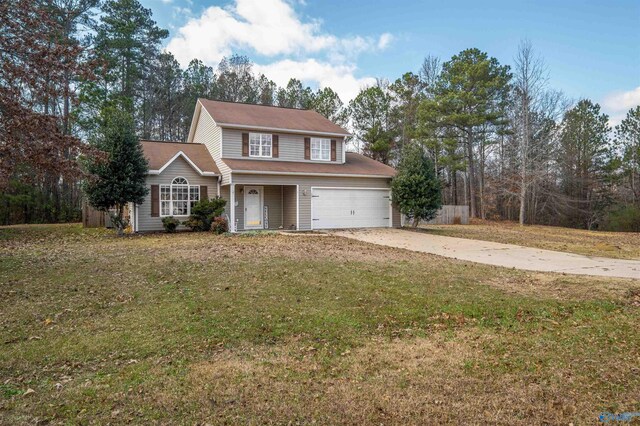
(273, 329)
(618, 245)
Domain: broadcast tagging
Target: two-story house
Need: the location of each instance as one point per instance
(278, 168)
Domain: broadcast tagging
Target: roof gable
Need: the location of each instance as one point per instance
(251, 116)
(161, 154)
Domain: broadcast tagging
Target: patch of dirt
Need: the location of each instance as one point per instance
(562, 287)
(296, 248)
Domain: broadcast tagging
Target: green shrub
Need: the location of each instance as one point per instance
(203, 212)
(623, 219)
(197, 224)
(170, 223)
(220, 225)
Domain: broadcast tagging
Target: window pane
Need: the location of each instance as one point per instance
(194, 193)
(179, 208)
(164, 208)
(177, 193)
(320, 149)
(180, 181)
(259, 145)
(165, 192)
(254, 144)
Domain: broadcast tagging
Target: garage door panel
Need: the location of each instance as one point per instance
(349, 208)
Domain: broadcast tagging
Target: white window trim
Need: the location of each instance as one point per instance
(321, 141)
(170, 200)
(261, 135)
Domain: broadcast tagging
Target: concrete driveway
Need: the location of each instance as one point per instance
(490, 253)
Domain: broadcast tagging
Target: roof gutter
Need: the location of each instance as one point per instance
(157, 172)
(259, 172)
(278, 129)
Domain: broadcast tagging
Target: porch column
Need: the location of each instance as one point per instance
(297, 207)
(232, 207)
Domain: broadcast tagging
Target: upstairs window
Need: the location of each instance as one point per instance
(259, 145)
(320, 149)
(178, 198)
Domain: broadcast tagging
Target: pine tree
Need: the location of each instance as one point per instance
(469, 96)
(127, 41)
(371, 117)
(583, 159)
(628, 138)
(121, 178)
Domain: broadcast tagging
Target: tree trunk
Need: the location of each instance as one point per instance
(472, 174)
(524, 155)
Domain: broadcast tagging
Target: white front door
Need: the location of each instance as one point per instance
(253, 207)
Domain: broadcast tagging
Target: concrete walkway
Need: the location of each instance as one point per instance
(490, 253)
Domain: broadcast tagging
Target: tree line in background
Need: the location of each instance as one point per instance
(500, 139)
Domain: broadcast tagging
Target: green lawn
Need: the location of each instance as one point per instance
(197, 328)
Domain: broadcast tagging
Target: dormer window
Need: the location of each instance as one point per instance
(320, 149)
(260, 145)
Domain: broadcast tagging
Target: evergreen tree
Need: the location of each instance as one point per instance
(127, 42)
(469, 96)
(406, 93)
(328, 103)
(198, 82)
(167, 92)
(266, 90)
(120, 179)
(628, 139)
(416, 189)
(295, 95)
(236, 81)
(583, 160)
(371, 117)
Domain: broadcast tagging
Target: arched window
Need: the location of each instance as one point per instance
(178, 198)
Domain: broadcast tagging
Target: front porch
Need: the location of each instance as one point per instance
(254, 207)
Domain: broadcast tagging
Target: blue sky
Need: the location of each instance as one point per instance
(591, 48)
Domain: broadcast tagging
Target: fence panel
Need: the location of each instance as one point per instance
(451, 215)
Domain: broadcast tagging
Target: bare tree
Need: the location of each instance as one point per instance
(429, 73)
(530, 79)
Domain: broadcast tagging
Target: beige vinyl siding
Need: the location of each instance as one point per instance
(178, 168)
(290, 146)
(226, 194)
(304, 189)
(289, 207)
(210, 135)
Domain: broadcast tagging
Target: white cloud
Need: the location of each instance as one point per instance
(339, 77)
(617, 104)
(273, 29)
(622, 100)
(384, 40)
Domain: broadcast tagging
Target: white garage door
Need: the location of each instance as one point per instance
(349, 208)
